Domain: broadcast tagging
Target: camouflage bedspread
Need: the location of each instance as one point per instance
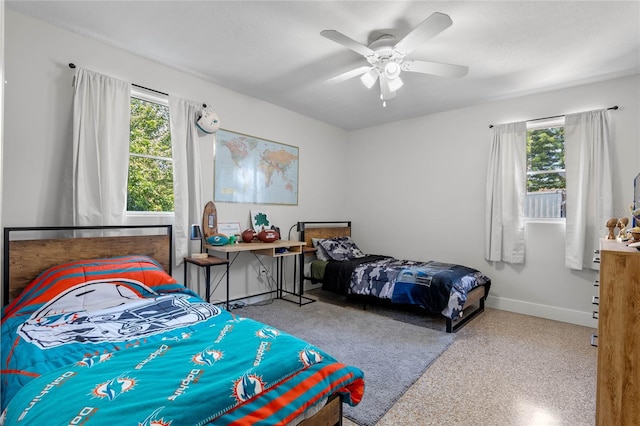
(435, 286)
(337, 275)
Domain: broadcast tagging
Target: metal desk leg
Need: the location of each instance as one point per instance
(280, 265)
(227, 282)
(301, 290)
(301, 275)
(207, 274)
(186, 266)
(278, 282)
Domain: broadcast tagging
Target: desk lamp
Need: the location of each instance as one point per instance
(196, 234)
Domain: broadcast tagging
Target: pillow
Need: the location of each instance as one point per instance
(321, 253)
(61, 278)
(341, 249)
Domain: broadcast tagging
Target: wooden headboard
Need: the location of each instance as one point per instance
(25, 257)
(309, 230)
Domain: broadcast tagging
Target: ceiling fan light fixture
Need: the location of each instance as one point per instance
(394, 84)
(386, 58)
(369, 78)
(392, 70)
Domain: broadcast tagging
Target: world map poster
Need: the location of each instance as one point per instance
(253, 170)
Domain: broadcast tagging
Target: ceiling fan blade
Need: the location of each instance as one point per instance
(435, 68)
(433, 25)
(347, 42)
(385, 91)
(349, 74)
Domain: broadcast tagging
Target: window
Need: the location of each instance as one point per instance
(546, 176)
(150, 182)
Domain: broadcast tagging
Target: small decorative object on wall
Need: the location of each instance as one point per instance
(208, 121)
(260, 220)
(253, 170)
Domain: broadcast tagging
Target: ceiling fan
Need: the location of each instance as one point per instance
(386, 57)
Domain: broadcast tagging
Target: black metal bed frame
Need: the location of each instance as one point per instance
(452, 325)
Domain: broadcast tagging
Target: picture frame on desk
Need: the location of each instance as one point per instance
(260, 220)
(229, 228)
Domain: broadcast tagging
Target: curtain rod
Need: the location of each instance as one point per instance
(556, 116)
(72, 66)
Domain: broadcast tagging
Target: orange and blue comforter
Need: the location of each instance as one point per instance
(118, 341)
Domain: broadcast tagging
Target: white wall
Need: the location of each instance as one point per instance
(1, 116)
(418, 191)
(38, 141)
(415, 189)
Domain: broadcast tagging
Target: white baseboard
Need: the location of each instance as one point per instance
(526, 308)
(542, 311)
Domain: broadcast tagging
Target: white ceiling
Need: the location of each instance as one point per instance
(272, 50)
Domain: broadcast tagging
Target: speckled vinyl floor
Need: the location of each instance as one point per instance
(505, 369)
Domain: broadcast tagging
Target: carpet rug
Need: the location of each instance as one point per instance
(405, 313)
(392, 354)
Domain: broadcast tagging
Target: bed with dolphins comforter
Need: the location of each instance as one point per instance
(118, 341)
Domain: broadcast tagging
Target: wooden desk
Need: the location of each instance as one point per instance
(277, 249)
(267, 249)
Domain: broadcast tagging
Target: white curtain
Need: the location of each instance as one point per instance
(589, 184)
(187, 175)
(506, 193)
(101, 120)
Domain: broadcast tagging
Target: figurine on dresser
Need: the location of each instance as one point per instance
(622, 225)
(611, 226)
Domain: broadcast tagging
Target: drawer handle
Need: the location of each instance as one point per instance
(595, 315)
(596, 252)
(596, 283)
(595, 300)
(596, 260)
(594, 338)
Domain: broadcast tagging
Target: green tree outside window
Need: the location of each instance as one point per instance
(150, 182)
(545, 162)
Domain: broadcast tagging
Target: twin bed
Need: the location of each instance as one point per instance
(96, 331)
(456, 291)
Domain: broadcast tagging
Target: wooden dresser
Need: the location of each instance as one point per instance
(618, 371)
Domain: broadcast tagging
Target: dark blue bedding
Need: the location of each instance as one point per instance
(435, 286)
